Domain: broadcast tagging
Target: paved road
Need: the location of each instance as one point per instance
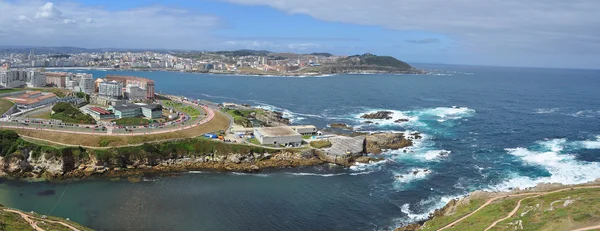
(210, 115)
(488, 202)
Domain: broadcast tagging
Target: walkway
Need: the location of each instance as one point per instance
(32, 220)
(488, 202)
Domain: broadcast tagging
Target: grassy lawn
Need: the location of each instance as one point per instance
(320, 144)
(10, 90)
(254, 141)
(192, 111)
(57, 91)
(132, 121)
(306, 137)
(240, 117)
(220, 122)
(582, 209)
(5, 105)
(69, 114)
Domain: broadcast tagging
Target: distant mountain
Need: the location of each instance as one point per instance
(73, 50)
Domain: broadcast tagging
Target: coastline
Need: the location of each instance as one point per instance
(291, 74)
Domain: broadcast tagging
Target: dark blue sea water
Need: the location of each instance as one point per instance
(504, 128)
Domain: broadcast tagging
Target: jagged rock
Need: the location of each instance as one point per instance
(401, 120)
(381, 115)
(376, 143)
(411, 227)
(341, 126)
(368, 122)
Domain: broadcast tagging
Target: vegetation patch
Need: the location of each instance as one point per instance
(320, 144)
(69, 114)
(9, 90)
(5, 105)
(57, 91)
(132, 121)
(242, 117)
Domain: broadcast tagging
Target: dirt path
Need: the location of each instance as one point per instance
(588, 228)
(488, 202)
(32, 220)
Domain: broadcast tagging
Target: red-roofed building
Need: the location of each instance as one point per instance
(99, 113)
(32, 99)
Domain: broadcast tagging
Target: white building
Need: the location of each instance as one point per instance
(133, 92)
(86, 83)
(278, 136)
(35, 79)
(112, 89)
(12, 78)
(305, 129)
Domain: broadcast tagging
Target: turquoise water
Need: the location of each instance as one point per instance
(510, 127)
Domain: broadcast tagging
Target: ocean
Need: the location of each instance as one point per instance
(503, 128)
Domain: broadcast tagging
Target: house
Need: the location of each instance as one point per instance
(305, 129)
(130, 110)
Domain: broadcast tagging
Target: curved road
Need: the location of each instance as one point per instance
(533, 194)
(210, 115)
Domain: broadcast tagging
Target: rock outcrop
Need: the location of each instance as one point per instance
(380, 115)
(377, 143)
(341, 126)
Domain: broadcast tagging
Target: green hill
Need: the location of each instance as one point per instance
(13, 219)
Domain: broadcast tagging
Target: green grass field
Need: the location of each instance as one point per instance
(566, 210)
(5, 105)
(320, 144)
(192, 111)
(9, 90)
(132, 121)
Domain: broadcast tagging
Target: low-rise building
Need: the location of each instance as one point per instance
(32, 99)
(131, 110)
(305, 129)
(99, 113)
(284, 136)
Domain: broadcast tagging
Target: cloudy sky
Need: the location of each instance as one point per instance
(542, 33)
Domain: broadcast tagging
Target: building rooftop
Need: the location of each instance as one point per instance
(30, 97)
(100, 110)
(277, 131)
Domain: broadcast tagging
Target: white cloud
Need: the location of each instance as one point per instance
(65, 23)
(535, 26)
(49, 11)
(303, 46)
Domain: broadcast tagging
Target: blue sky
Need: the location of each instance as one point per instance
(548, 33)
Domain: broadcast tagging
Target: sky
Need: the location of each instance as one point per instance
(536, 33)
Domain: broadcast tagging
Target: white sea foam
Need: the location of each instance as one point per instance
(586, 114)
(315, 174)
(552, 155)
(249, 174)
(546, 110)
(196, 172)
(412, 175)
(426, 206)
(417, 118)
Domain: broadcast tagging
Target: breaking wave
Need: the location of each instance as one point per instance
(315, 174)
(557, 158)
(417, 118)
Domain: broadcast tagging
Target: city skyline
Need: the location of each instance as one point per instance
(501, 33)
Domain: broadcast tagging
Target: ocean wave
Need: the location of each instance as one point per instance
(196, 172)
(556, 157)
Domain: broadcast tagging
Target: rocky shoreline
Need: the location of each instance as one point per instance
(36, 162)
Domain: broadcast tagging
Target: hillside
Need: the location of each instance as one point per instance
(366, 63)
(12, 219)
(545, 207)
